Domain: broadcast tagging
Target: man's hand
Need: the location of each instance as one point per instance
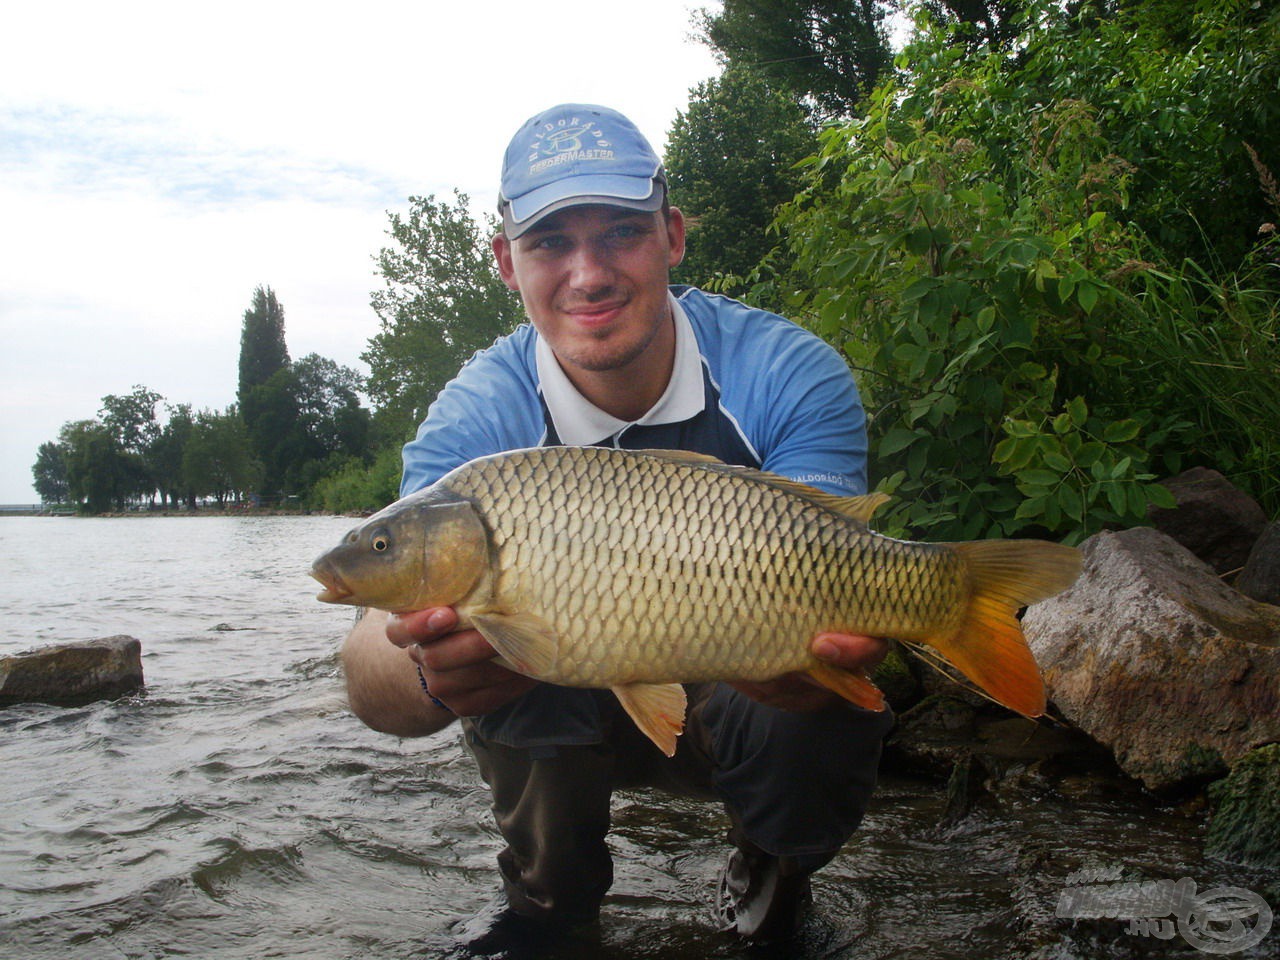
(457, 665)
(800, 692)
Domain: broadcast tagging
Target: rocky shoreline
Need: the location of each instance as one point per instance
(1162, 667)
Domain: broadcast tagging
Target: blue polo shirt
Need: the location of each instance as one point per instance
(748, 387)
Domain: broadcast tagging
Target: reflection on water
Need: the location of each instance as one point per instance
(236, 810)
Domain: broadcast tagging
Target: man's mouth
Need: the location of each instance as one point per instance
(596, 314)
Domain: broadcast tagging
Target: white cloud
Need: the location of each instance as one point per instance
(160, 161)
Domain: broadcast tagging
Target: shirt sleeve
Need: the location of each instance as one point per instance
(809, 416)
(492, 405)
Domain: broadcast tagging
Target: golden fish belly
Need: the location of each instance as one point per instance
(733, 584)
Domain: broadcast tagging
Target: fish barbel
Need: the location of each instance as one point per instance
(641, 570)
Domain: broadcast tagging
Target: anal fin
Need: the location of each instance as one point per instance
(657, 709)
(855, 687)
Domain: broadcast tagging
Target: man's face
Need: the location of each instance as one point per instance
(594, 281)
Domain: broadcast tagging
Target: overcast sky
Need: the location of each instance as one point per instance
(158, 161)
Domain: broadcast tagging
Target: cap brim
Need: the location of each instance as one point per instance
(632, 193)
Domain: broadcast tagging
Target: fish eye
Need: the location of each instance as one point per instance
(380, 542)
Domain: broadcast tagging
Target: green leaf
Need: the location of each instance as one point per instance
(1040, 478)
(1078, 411)
(1055, 460)
(1159, 496)
(896, 439)
(1121, 431)
(1069, 497)
(1116, 497)
(1087, 296)
(1030, 509)
(918, 289)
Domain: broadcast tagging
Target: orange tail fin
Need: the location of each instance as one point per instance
(989, 647)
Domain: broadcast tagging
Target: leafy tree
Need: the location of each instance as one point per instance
(218, 459)
(272, 421)
(50, 473)
(131, 421)
(329, 410)
(100, 476)
(442, 301)
(730, 162)
(979, 23)
(131, 418)
(165, 454)
(832, 52)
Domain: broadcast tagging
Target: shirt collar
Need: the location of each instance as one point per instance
(579, 422)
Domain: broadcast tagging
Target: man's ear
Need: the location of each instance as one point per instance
(502, 254)
(675, 236)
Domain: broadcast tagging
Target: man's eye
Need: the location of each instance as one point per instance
(626, 231)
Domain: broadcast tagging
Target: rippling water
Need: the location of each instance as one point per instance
(237, 810)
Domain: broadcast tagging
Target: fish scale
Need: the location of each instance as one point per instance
(748, 578)
(641, 570)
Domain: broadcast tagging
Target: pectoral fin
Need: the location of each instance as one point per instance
(857, 688)
(657, 709)
(527, 643)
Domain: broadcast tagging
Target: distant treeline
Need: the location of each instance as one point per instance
(1043, 234)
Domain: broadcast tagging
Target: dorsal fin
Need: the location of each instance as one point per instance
(861, 508)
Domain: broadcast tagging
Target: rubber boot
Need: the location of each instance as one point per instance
(762, 898)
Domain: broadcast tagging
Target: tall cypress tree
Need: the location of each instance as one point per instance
(268, 405)
(262, 347)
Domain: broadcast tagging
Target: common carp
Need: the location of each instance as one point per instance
(641, 570)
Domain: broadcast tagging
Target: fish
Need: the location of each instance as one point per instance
(642, 570)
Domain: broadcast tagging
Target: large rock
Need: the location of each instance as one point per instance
(73, 673)
(1153, 656)
(1260, 578)
(1214, 519)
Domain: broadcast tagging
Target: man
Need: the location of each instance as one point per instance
(613, 356)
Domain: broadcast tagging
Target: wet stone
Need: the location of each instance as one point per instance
(71, 674)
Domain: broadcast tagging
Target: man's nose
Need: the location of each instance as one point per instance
(589, 268)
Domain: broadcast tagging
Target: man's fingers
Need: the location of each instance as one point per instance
(454, 651)
(421, 626)
(849, 651)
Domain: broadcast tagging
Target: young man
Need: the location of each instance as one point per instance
(614, 356)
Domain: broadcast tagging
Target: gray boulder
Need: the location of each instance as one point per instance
(1214, 519)
(1153, 656)
(1260, 578)
(73, 673)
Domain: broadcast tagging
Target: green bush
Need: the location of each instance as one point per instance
(975, 246)
(979, 316)
(358, 487)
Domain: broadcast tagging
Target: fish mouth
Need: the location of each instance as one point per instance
(335, 591)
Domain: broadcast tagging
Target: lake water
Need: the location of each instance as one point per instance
(236, 809)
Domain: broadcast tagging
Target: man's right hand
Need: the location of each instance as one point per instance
(458, 665)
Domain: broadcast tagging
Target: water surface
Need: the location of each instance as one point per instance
(236, 809)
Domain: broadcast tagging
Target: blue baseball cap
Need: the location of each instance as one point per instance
(574, 154)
